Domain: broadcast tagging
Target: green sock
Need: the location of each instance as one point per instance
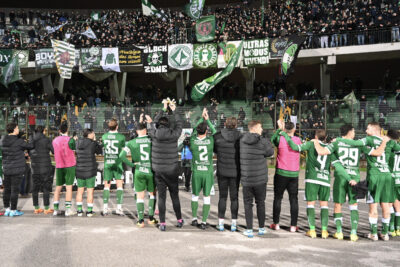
(79, 205)
(311, 216)
(90, 207)
(140, 208)
(68, 204)
(46, 207)
(392, 217)
(324, 218)
(106, 196)
(385, 225)
(195, 206)
(120, 196)
(152, 201)
(338, 221)
(55, 204)
(373, 223)
(206, 211)
(37, 207)
(398, 221)
(354, 221)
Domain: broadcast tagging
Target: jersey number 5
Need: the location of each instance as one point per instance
(144, 155)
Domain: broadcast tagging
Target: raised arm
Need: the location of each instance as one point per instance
(210, 125)
(124, 159)
(275, 137)
(321, 150)
(72, 144)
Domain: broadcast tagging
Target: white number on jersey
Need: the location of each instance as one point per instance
(350, 156)
(396, 167)
(110, 147)
(382, 160)
(144, 155)
(203, 153)
(322, 161)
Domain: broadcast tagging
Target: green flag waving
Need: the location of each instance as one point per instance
(201, 88)
(11, 72)
(291, 51)
(194, 8)
(95, 15)
(205, 29)
(149, 10)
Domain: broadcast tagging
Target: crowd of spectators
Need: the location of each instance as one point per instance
(326, 23)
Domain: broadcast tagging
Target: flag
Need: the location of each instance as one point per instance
(89, 33)
(150, 10)
(103, 18)
(23, 57)
(95, 15)
(291, 51)
(64, 57)
(55, 28)
(11, 72)
(194, 8)
(262, 13)
(223, 27)
(227, 49)
(205, 29)
(205, 55)
(350, 99)
(110, 59)
(90, 58)
(256, 52)
(180, 56)
(200, 89)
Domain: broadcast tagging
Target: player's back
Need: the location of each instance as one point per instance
(113, 143)
(349, 156)
(394, 166)
(141, 152)
(381, 163)
(202, 153)
(317, 166)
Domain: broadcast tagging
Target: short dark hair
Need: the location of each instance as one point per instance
(202, 128)
(63, 127)
(289, 126)
(163, 121)
(393, 134)
(141, 126)
(375, 124)
(253, 123)
(231, 123)
(86, 132)
(40, 129)
(11, 127)
(345, 129)
(112, 124)
(320, 134)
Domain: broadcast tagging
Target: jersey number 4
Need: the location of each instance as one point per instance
(110, 147)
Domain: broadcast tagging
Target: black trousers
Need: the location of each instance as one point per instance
(11, 190)
(42, 182)
(188, 175)
(170, 181)
(225, 185)
(291, 184)
(258, 193)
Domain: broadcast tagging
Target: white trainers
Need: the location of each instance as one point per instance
(55, 212)
(384, 237)
(373, 237)
(105, 212)
(119, 212)
(294, 229)
(69, 212)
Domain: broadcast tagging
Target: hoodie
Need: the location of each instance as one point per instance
(86, 165)
(40, 156)
(254, 149)
(226, 146)
(13, 149)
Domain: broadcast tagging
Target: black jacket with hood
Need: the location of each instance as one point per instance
(13, 149)
(40, 156)
(86, 165)
(226, 146)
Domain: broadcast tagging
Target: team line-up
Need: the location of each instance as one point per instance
(241, 159)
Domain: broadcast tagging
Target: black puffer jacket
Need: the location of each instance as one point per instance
(14, 161)
(253, 164)
(40, 156)
(86, 165)
(164, 149)
(226, 146)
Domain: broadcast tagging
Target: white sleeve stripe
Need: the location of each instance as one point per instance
(369, 153)
(127, 150)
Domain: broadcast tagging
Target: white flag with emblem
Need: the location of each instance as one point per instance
(89, 33)
(110, 59)
(180, 56)
(150, 10)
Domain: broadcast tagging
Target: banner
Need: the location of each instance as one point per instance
(44, 58)
(5, 56)
(205, 56)
(130, 56)
(180, 56)
(256, 52)
(205, 29)
(277, 47)
(89, 33)
(65, 57)
(149, 10)
(90, 59)
(194, 8)
(200, 89)
(11, 72)
(290, 55)
(110, 59)
(155, 59)
(226, 50)
(95, 15)
(23, 57)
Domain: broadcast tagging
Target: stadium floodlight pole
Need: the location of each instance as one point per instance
(325, 116)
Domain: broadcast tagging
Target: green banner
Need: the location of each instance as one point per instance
(201, 88)
(205, 29)
(194, 8)
(291, 51)
(23, 57)
(5, 56)
(90, 59)
(11, 72)
(205, 56)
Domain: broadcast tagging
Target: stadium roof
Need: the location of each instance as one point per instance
(92, 4)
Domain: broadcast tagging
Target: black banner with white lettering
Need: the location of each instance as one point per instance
(155, 59)
(44, 58)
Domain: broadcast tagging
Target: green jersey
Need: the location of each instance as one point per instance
(113, 144)
(317, 166)
(140, 149)
(202, 150)
(348, 156)
(394, 166)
